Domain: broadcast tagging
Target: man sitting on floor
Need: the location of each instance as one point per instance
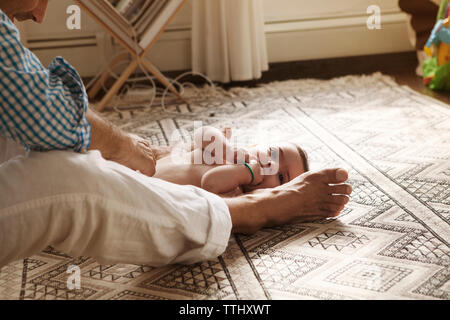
(93, 202)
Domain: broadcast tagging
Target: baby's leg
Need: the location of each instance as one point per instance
(211, 146)
(206, 135)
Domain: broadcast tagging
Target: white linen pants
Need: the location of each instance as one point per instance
(82, 204)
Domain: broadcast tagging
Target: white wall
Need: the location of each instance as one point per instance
(295, 30)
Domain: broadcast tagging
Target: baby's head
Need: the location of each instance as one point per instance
(292, 162)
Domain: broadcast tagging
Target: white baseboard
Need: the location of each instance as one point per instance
(336, 37)
(325, 37)
(301, 40)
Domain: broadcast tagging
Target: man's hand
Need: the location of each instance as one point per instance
(127, 149)
(136, 153)
(161, 151)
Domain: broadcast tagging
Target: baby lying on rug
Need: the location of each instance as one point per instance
(214, 165)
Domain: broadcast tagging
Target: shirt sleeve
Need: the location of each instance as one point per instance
(40, 108)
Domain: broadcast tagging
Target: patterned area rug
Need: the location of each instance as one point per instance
(391, 241)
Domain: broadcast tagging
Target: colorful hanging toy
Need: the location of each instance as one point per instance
(436, 69)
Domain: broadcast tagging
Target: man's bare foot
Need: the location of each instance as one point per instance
(321, 194)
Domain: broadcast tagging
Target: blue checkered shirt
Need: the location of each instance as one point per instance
(40, 108)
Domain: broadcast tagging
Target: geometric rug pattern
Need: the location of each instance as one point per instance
(392, 241)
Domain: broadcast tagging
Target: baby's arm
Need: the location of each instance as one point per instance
(227, 178)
